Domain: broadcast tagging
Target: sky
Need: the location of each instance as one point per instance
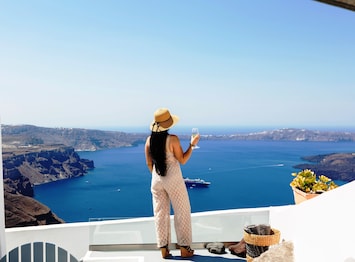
(112, 63)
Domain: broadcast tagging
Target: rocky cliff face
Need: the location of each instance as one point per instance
(78, 138)
(340, 166)
(24, 167)
(23, 211)
(42, 165)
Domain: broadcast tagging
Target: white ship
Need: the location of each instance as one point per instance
(196, 182)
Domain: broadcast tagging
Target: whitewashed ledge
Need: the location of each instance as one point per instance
(322, 229)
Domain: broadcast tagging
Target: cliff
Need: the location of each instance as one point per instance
(293, 134)
(78, 138)
(339, 166)
(24, 167)
(23, 211)
(43, 164)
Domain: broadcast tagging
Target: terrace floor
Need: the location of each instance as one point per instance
(201, 255)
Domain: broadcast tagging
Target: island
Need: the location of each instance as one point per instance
(337, 166)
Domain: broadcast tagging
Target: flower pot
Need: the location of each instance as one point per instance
(300, 196)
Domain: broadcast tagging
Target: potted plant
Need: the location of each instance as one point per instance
(307, 185)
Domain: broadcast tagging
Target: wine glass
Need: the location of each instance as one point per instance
(194, 133)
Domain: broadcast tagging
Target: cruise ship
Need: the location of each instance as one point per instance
(195, 182)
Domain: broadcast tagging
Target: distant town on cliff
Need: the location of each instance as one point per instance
(20, 136)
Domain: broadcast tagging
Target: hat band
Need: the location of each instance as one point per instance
(166, 123)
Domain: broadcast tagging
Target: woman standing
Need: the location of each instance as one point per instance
(164, 154)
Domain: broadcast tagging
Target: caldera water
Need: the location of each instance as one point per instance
(243, 174)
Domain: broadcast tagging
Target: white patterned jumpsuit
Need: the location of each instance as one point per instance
(171, 187)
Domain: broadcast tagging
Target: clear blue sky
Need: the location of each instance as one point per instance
(84, 63)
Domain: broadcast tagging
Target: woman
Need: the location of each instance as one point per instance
(164, 155)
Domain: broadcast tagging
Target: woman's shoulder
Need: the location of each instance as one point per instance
(173, 137)
(174, 140)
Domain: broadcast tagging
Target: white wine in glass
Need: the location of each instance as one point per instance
(194, 133)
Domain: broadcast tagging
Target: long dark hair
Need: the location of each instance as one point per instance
(158, 152)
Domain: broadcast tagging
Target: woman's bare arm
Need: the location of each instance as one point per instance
(179, 154)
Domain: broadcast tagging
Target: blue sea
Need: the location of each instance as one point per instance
(243, 174)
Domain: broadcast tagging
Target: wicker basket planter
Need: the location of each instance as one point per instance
(261, 241)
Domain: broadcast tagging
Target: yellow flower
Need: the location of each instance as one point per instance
(306, 180)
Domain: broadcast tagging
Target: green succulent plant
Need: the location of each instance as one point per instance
(307, 181)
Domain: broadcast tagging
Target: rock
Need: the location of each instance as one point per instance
(44, 164)
(23, 211)
(337, 166)
(23, 168)
(78, 138)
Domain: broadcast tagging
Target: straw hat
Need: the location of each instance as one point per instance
(163, 120)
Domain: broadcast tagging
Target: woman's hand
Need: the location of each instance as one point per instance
(194, 139)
